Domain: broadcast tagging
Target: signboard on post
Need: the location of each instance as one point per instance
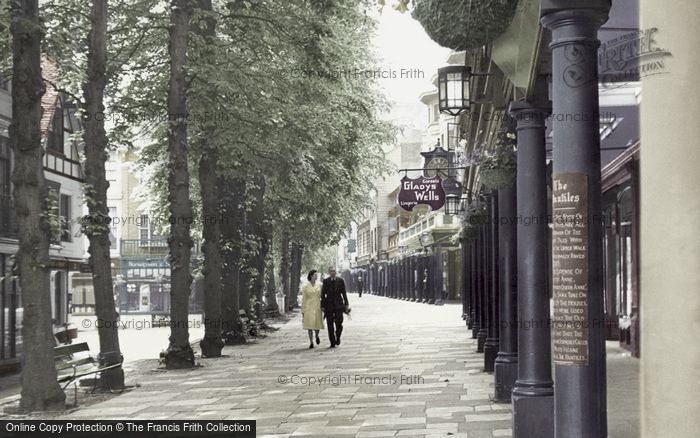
(421, 191)
(570, 268)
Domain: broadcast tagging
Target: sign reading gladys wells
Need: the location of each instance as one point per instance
(570, 268)
(421, 190)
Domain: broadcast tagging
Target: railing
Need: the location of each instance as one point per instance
(59, 164)
(143, 247)
(8, 227)
(147, 247)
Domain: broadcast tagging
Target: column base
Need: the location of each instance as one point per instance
(439, 302)
(490, 353)
(480, 340)
(533, 416)
(431, 301)
(475, 330)
(506, 369)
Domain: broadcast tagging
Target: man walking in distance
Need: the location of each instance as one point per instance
(360, 285)
(334, 301)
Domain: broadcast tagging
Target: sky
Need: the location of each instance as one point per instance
(409, 59)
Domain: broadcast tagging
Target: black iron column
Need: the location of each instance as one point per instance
(507, 360)
(491, 345)
(464, 286)
(391, 279)
(439, 276)
(397, 276)
(412, 278)
(399, 280)
(419, 278)
(474, 298)
(387, 279)
(424, 278)
(579, 337)
(533, 395)
(483, 289)
(433, 273)
(384, 273)
(427, 286)
(404, 275)
(397, 286)
(406, 283)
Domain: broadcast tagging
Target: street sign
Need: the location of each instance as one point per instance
(421, 191)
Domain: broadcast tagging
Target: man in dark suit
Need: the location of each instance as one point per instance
(334, 301)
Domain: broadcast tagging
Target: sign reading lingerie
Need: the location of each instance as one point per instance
(421, 191)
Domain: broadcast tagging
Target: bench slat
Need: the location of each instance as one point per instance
(76, 363)
(65, 350)
(67, 377)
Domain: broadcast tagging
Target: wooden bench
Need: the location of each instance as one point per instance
(70, 368)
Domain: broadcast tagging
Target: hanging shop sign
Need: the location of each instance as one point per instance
(570, 269)
(421, 191)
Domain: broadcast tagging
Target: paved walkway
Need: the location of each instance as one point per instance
(403, 369)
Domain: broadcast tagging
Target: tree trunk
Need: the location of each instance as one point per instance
(40, 391)
(232, 229)
(245, 260)
(96, 185)
(284, 270)
(297, 253)
(258, 232)
(212, 343)
(179, 353)
(271, 309)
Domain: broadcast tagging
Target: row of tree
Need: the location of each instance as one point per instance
(260, 138)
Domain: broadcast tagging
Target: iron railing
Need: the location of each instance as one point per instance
(148, 247)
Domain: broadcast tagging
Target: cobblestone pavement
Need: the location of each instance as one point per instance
(403, 369)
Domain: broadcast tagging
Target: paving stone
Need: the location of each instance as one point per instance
(439, 388)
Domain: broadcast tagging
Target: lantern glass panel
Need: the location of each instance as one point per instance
(451, 204)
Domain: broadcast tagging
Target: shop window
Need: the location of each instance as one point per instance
(625, 214)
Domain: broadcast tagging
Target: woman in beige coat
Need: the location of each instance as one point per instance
(311, 307)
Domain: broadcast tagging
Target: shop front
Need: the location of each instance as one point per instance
(621, 249)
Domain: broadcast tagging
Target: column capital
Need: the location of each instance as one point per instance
(555, 6)
(532, 114)
(591, 17)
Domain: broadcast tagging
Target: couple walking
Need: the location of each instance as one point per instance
(329, 300)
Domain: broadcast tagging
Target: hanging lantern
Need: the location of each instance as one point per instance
(452, 204)
(453, 89)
